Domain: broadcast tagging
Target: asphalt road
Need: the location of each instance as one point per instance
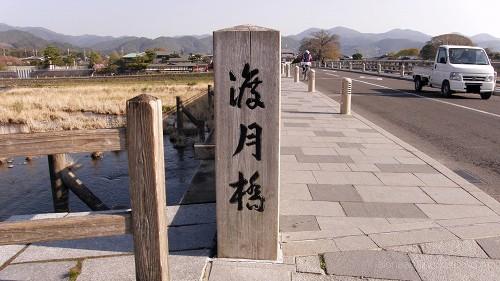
(462, 132)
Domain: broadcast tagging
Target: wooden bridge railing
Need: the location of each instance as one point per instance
(143, 139)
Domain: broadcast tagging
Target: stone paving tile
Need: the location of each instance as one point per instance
(412, 237)
(348, 151)
(393, 194)
(476, 231)
(309, 264)
(191, 214)
(311, 208)
(350, 145)
(323, 151)
(373, 264)
(191, 237)
(316, 277)
(409, 160)
(332, 223)
(337, 178)
(445, 268)
(297, 177)
(491, 246)
(437, 211)
(7, 252)
(388, 227)
(339, 231)
(386, 152)
(363, 167)
(48, 271)
(297, 133)
(184, 266)
(290, 191)
(399, 179)
(446, 195)
(324, 159)
(295, 166)
(358, 159)
(238, 273)
(328, 134)
(435, 180)
(406, 249)
(353, 243)
(311, 247)
(298, 125)
(334, 167)
(298, 223)
(468, 221)
(335, 193)
(463, 248)
(382, 210)
(180, 238)
(406, 168)
(288, 158)
(290, 150)
(72, 249)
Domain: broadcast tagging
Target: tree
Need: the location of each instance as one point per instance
(428, 52)
(69, 60)
(150, 56)
(94, 58)
(412, 52)
(51, 56)
(114, 57)
(322, 45)
(357, 56)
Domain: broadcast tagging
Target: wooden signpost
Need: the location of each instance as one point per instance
(247, 115)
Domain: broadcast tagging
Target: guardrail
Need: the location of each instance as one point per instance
(402, 67)
(143, 140)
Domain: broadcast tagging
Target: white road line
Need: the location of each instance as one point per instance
(371, 78)
(331, 74)
(432, 99)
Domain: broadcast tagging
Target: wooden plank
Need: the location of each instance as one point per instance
(247, 226)
(67, 228)
(57, 163)
(34, 144)
(147, 187)
(81, 191)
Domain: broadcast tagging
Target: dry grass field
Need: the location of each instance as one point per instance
(84, 106)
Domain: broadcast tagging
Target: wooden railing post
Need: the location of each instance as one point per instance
(57, 163)
(147, 187)
(246, 63)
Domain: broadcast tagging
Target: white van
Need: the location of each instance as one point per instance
(461, 69)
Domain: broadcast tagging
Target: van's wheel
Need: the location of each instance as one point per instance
(445, 89)
(486, 95)
(418, 84)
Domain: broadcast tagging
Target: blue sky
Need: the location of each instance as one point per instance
(153, 18)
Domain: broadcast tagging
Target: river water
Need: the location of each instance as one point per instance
(25, 189)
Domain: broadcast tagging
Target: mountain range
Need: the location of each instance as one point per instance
(351, 41)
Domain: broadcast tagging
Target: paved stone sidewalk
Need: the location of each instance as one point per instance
(356, 204)
(359, 204)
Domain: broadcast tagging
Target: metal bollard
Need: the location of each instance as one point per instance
(364, 67)
(345, 102)
(379, 68)
(312, 81)
(296, 74)
(403, 70)
(288, 69)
